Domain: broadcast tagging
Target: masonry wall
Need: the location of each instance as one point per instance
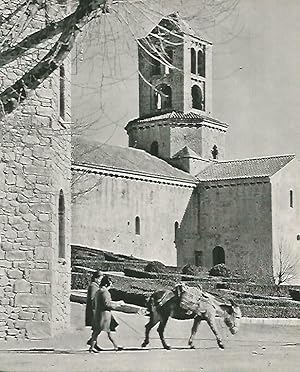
(286, 221)
(236, 215)
(34, 167)
(105, 217)
(143, 136)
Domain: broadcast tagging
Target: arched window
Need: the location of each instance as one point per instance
(197, 97)
(61, 226)
(218, 256)
(215, 152)
(201, 63)
(291, 199)
(193, 61)
(62, 92)
(137, 225)
(176, 227)
(163, 97)
(154, 148)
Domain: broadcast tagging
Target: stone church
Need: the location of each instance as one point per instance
(171, 195)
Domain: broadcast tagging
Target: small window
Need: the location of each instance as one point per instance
(154, 148)
(176, 226)
(62, 92)
(137, 225)
(215, 152)
(193, 61)
(198, 258)
(163, 97)
(201, 63)
(197, 98)
(291, 199)
(61, 226)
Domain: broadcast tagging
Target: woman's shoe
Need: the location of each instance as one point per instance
(93, 350)
(97, 347)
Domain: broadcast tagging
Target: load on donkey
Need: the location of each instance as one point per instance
(190, 303)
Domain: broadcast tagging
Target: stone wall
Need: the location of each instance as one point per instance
(34, 167)
(286, 221)
(236, 215)
(105, 217)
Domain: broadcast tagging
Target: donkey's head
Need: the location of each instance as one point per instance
(232, 316)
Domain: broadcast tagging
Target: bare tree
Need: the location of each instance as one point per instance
(56, 39)
(287, 265)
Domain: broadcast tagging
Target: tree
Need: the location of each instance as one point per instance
(19, 41)
(287, 265)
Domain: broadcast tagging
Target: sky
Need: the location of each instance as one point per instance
(256, 72)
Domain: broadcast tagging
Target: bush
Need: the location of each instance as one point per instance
(156, 267)
(190, 269)
(220, 270)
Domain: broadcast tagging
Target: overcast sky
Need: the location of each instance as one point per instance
(256, 73)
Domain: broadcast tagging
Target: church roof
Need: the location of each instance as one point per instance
(178, 117)
(245, 168)
(175, 23)
(97, 154)
(186, 152)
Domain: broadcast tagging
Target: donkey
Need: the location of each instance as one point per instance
(165, 304)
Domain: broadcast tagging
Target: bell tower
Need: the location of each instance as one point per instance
(175, 95)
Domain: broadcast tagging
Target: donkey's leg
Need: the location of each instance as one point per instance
(212, 324)
(160, 330)
(154, 319)
(195, 326)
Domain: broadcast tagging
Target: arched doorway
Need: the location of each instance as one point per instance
(154, 148)
(218, 255)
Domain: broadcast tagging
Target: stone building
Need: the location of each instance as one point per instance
(35, 173)
(171, 196)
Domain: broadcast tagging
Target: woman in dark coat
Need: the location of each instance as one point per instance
(91, 292)
(103, 318)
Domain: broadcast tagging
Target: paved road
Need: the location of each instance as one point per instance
(254, 348)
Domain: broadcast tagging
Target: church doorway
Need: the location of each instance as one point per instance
(218, 255)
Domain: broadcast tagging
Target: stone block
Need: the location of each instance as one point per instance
(6, 246)
(40, 275)
(28, 299)
(14, 274)
(22, 286)
(38, 288)
(3, 280)
(25, 315)
(15, 255)
(41, 253)
(38, 330)
(21, 324)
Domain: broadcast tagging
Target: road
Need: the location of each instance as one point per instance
(254, 348)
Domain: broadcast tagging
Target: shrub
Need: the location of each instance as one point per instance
(220, 270)
(190, 269)
(156, 267)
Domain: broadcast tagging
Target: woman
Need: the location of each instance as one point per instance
(89, 310)
(103, 319)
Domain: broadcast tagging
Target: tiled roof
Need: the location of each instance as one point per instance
(245, 168)
(178, 116)
(186, 152)
(174, 22)
(97, 154)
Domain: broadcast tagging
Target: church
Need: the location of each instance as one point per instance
(171, 195)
